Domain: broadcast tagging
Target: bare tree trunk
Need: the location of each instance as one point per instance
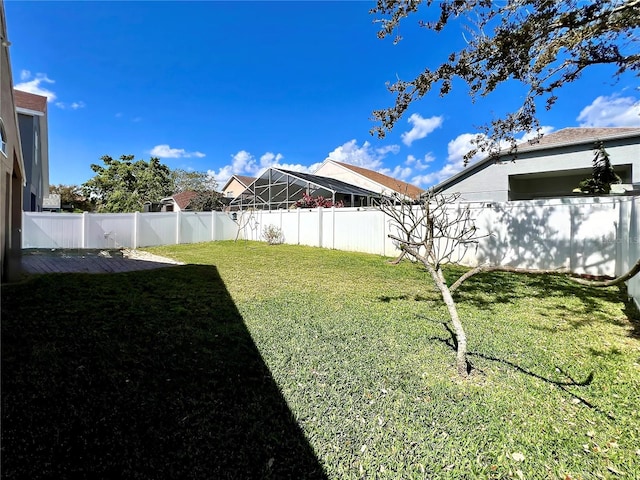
(582, 281)
(399, 259)
(461, 336)
(498, 268)
(608, 283)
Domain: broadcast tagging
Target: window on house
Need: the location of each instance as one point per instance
(3, 133)
(37, 147)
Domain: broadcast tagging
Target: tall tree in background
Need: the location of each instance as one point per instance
(187, 180)
(204, 184)
(124, 185)
(543, 44)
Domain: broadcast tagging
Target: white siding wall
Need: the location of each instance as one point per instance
(491, 184)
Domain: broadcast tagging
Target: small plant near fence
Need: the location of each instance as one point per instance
(273, 235)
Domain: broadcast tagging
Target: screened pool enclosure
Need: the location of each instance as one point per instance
(281, 189)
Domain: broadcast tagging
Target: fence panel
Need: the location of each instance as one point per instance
(309, 227)
(578, 234)
(109, 230)
(581, 234)
(48, 230)
(632, 247)
(361, 231)
(156, 229)
(223, 228)
(195, 227)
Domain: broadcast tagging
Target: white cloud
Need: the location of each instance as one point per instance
(269, 159)
(35, 85)
(244, 163)
(421, 128)
(364, 156)
(388, 149)
(165, 151)
(534, 134)
(420, 163)
(72, 106)
(456, 150)
(611, 111)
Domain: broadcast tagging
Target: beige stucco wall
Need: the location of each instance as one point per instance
(337, 172)
(234, 189)
(11, 167)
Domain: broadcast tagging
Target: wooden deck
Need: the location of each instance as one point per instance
(87, 262)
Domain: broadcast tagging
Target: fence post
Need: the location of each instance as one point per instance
(298, 226)
(136, 225)
(213, 225)
(178, 227)
(320, 210)
(384, 231)
(83, 239)
(333, 227)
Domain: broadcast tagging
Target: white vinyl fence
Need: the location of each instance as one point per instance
(598, 236)
(123, 230)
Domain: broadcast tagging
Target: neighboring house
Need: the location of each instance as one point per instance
(32, 122)
(553, 167)
(178, 202)
(12, 167)
(236, 185)
(367, 179)
(277, 188)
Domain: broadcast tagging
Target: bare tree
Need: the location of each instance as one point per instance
(435, 231)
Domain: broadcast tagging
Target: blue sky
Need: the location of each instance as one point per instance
(235, 87)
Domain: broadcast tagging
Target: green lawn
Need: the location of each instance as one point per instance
(258, 361)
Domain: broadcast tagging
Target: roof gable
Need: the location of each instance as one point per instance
(243, 179)
(183, 199)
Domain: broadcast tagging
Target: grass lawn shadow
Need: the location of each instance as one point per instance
(147, 374)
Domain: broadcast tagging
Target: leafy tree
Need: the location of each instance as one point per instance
(204, 184)
(186, 180)
(206, 201)
(124, 185)
(543, 44)
(603, 174)
(71, 197)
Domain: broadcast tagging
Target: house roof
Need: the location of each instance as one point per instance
(183, 199)
(30, 101)
(577, 136)
(384, 180)
(338, 186)
(243, 179)
(561, 138)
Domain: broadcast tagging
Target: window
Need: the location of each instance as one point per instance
(37, 146)
(3, 134)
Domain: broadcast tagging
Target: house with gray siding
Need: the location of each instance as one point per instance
(549, 168)
(32, 123)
